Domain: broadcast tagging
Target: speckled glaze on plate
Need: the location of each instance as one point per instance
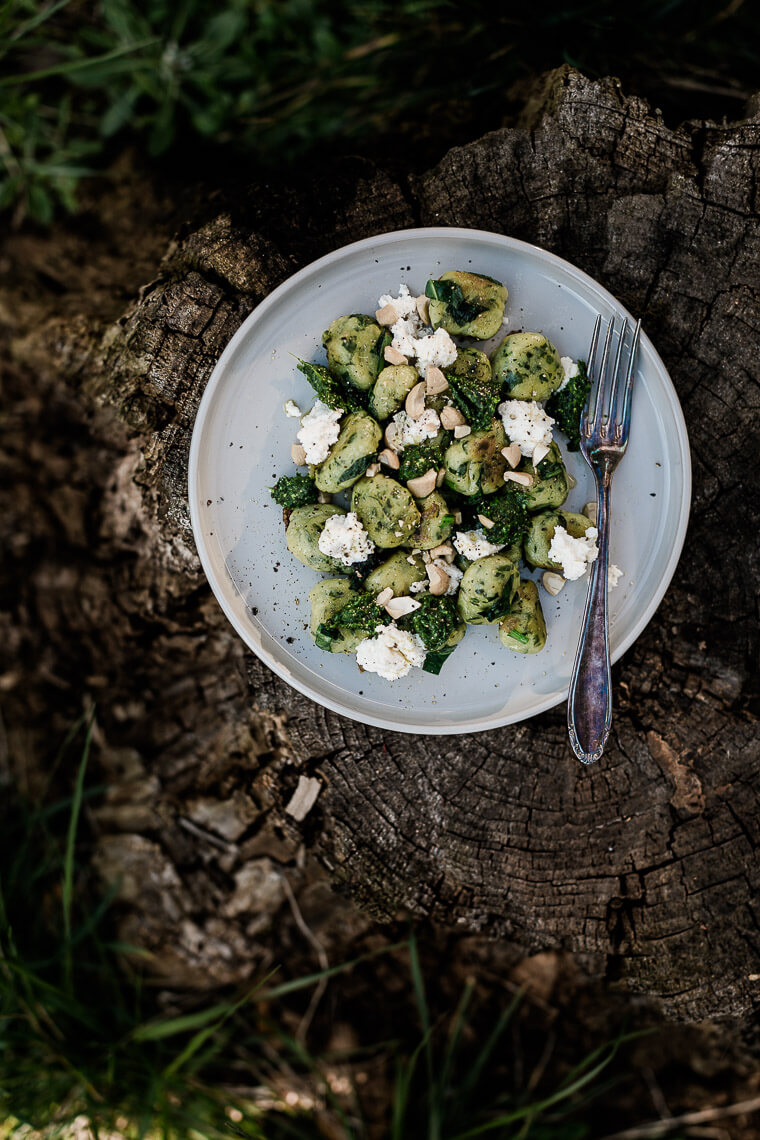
(241, 445)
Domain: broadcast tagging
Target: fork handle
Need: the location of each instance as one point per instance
(589, 704)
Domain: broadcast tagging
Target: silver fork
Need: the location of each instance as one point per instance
(604, 438)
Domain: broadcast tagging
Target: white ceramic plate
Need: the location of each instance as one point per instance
(241, 445)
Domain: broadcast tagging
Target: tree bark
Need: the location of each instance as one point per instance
(645, 865)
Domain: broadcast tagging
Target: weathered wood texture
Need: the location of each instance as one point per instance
(645, 865)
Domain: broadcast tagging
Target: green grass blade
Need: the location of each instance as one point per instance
(67, 888)
(171, 1026)
(34, 21)
(307, 980)
(71, 67)
(473, 1076)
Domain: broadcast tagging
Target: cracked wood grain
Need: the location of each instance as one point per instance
(647, 864)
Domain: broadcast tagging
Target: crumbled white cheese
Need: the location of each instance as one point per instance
(405, 305)
(438, 350)
(392, 653)
(570, 368)
(473, 544)
(292, 410)
(574, 555)
(454, 573)
(527, 424)
(413, 338)
(405, 332)
(319, 431)
(614, 574)
(419, 587)
(343, 537)
(403, 430)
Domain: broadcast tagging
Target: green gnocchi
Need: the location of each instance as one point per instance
(433, 476)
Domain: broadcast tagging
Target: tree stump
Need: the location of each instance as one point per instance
(644, 865)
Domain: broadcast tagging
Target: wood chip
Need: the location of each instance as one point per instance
(423, 308)
(390, 459)
(384, 596)
(386, 316)
(298, 454)
(393, 356)
(303, 798)
(451, 417)
(484, 521)
(400, 607)
(552, 582)
(439, 580)
(521, 477)
(512, 454)
(435, 381)
(461, 430)
(414, 405)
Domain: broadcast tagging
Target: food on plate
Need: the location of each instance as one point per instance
(433, 474)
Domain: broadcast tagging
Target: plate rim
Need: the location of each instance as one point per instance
(387, 237)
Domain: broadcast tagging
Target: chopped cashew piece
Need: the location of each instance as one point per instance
(423, 308)
(384, 596)
(414, 404)
(521, 477)
(372, 470)
(439, 579)
(400, 607)
(591, 511)
(552, 582)
(435, 381)
(461, 430)
(440, 477)
(540, 452)
(298, 455)
(323, 497)
(486, 522)
(512, 454)
(390, 458)
(423, 485)
(386, 316)
(393, 356)
(445, 550)
(451, 417)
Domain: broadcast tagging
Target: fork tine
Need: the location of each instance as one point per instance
(614, 387)
(595, 402)
(625, 418)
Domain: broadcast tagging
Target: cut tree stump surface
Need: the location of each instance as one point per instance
(646, 864)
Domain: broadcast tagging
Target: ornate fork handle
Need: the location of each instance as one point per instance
(589, 704)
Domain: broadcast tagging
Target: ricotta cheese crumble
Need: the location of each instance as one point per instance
(473, 544)
(343, 537)
(292, 409)
(527, 424)
(405, 305)
(570, 368)
(319, 431)
(413, 338)
(392, 653)
(574, 555)
(614, 574)
(438, 350)
(404, 431)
